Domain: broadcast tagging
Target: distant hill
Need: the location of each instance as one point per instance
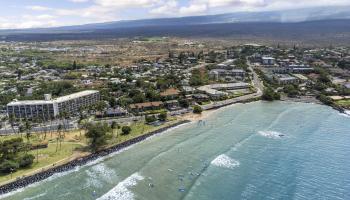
(331, 25)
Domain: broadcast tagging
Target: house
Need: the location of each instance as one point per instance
(113, 112)
(170, 93)
(268, 60)
(200, 97)
(214, 90)
(301, 77)
(172, 105)
(188, 89)
(223, 73)
(284, 79)
(140, 107)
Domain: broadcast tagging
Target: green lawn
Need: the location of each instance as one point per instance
(46, 157)
(344, 103)
(137, 129)
(72, 145)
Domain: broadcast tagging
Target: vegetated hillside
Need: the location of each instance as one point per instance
(322, 31)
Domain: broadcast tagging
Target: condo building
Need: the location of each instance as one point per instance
(51, 108)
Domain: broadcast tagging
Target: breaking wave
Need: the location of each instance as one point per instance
(121, 191)
(225, 162)
(345, 114)
(271, 134)
(99, 173)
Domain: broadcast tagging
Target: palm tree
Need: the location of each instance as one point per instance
(114, 127)
(3, 120)
(12, 121)
(64, 117)
(81, 119)
(51, 131)
(81, 126)
(28, 128)
(59, 130)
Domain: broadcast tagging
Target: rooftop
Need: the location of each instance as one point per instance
(75, 95)
(170, 92)
(57, 100)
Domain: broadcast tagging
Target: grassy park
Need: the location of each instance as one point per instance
(344, 103)
(74, 144)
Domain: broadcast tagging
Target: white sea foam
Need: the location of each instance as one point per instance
(345, 114)
(225, 162)
(271, 134)
(99, 173)
(91, 163)
(40, 182)
(35, 197)
(166, 131)
(121, 191)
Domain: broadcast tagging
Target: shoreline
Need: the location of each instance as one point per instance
(40, 176)
(82, 161)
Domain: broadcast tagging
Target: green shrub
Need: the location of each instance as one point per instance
(163, 116)
(126, 130)
(26, 160)
(150, 119)
(8, 166)
(197, 109)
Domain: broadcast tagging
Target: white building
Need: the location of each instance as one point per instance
(268, 60)
(51, 108)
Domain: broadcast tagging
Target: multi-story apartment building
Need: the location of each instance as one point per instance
(51, 108)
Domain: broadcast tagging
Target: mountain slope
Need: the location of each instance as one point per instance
(321, 25)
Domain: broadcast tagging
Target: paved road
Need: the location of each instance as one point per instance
(200, 65)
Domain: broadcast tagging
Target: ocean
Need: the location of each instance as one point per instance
(260, 150)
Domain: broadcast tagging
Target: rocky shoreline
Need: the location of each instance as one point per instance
(26, 181)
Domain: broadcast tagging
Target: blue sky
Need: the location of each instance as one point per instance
(50, 13)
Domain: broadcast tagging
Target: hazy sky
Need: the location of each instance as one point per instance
(48, 13)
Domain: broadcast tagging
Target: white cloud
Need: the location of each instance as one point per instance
(127, 3)
(166, 9)
(92, 11)
(38, 8)
(193, 9)
(78, 1)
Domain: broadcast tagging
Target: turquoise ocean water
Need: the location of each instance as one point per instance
(253, 151)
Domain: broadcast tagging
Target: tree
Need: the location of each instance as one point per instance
(270, 95)
(100, 106)
(12, 120)
(8, 166)
(26, 160)
(21, 129)
(13, 155)
(59, 137)
(82, 125)
(291, 90)
(115, 126)
(150, 119)
(97, 135)
(184, 103)
(28, 128)
(197, 109)
(74, 66)
(126, 130)
(324, 99)
(64, 118)
(199, 77)
(163, 116)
